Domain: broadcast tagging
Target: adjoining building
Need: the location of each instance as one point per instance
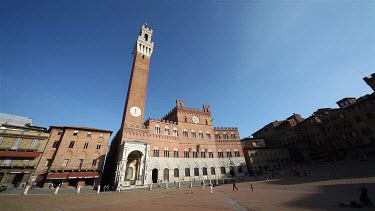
(21, 147)
(261, 158)
(329, 133)
(181, 146)
(74, 156)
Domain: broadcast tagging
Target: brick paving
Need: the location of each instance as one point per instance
(320, 191)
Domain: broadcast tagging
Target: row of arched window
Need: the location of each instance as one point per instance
(195, 154)
(193, 134)
(204, 171)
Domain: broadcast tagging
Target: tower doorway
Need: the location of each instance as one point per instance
(133, 167)
(166, 175)
(231, 171)
(154, 175)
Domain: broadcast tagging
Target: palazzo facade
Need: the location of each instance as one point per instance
(181, 146)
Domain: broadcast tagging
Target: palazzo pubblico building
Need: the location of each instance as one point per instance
(181, 146)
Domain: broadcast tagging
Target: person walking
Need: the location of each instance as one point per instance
(234, 185)
(211, 188)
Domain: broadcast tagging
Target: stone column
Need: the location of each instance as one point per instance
(78, 190)
(142, 170)
(57, 190)
(26, 190)
(200, 171)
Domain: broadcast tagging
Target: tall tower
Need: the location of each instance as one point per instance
(136, 96)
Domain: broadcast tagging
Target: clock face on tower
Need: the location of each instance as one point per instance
(135, 111)
(195, 119)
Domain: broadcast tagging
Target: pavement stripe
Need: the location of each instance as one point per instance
(232, 202)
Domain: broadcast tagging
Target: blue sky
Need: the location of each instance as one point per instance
(69, 62)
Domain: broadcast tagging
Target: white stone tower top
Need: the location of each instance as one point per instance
(144, 45)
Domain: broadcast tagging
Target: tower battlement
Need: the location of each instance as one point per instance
(370, 80)
(144, 45)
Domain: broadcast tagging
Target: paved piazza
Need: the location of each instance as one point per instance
(318, 191)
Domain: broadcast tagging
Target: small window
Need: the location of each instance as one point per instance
(200, 134)
(236, 153)
(156, 152)
(157, 129)
(229, 153)
(166, 131)
(65, 162)
(88, 134)
(204, 171)
(217, 136)
(86, 145)
(186, 153)
(34, 142)
(166, 152)
(175, 153)
(233, 136)
(71, 145)
(175, 132)
(176, 172)
(187, 172)
(48, 163)
(203, 154)
(195, 153)
(94, 162)
(75, 133)
(222, 169)
(220, 153)
(185, 134)
(60, 132)
(206, 122)
(208, 135)
(101, 135)
(225, 136)
(16, 143)
(185, 119)
(210, 153)
(193, 135)
(98, 145)
(196, 172)
(212, 171)
(56, 144)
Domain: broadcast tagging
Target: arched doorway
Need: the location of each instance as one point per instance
(154, 175)
(133, 167)
(166, 175)
(231, 171)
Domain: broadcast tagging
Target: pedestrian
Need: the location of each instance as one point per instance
(202, 183)
(211, 188)
(234, 185)
(251, 186)
(159, 183)
(33, 186)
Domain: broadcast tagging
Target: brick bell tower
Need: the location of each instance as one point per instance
(136, 96)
